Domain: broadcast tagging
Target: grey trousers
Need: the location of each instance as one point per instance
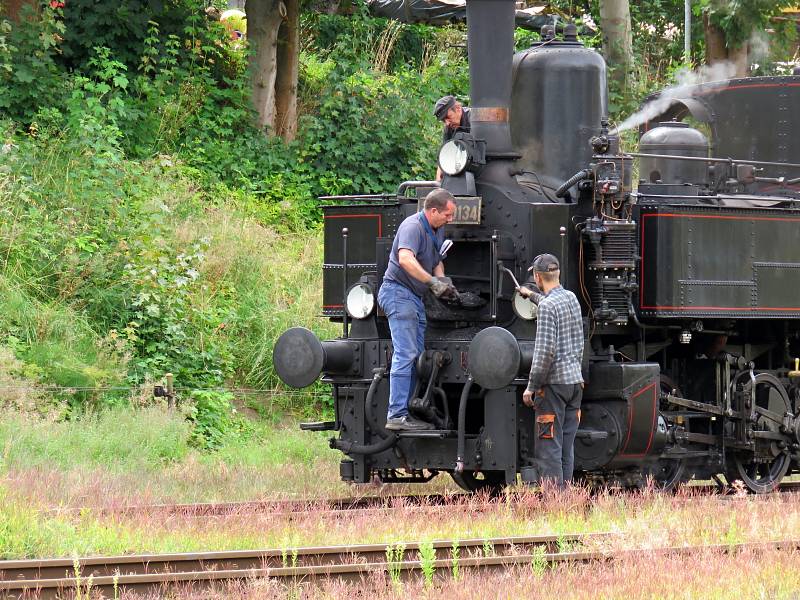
(557, 417)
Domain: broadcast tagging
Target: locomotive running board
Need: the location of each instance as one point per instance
(693, 404)
(438, 434)
(318, 426)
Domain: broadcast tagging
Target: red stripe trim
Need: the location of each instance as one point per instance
(722, 217)
(630, 422)
(718, 308)
(364, 216)
(743, 308)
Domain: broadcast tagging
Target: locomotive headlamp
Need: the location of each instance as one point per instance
(453, 157)
(360, 301)
(524, 308)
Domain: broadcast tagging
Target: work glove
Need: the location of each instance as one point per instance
(442, 287)
(531, 292)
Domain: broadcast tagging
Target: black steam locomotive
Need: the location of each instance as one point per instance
(690, 285)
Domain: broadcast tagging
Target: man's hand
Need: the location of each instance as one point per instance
(529, 397)
(442, 288)
(524, 292)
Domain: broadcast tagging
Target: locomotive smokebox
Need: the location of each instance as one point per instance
(491, 49)
(299, 357)
(676, 139)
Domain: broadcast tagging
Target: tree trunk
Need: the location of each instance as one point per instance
(12, 8)
(288, 66)
(615, 24)
(263, 21)
(717, 49)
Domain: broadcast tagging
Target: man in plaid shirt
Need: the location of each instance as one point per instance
(555, 385)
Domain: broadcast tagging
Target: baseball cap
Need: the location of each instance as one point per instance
(442, 105)
(544, 263)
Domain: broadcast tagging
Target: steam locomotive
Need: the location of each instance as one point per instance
(689, 284)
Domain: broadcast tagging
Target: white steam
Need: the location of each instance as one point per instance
(758, 52)
(685, 79)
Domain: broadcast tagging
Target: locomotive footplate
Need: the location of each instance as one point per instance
(431, 434)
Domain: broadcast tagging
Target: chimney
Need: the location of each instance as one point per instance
(490, 26)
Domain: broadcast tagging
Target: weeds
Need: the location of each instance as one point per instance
(539, 561)
(427, 558)
(455, 552)
(395, 553)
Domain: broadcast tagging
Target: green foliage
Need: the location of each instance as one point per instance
(740, 18)
(173, 326)
(213, 416)
(123, 26)
(30, 76)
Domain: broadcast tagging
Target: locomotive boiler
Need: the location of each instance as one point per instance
(689, 281)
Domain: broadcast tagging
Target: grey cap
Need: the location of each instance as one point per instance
(442, 106)
(545, 263)
(796, 70)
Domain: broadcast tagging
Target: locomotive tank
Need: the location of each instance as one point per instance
(676, 139)
(558, 101)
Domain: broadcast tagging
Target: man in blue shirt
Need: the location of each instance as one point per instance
(555, 384)
(415, 266)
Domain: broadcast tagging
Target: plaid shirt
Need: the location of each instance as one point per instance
(558, 352)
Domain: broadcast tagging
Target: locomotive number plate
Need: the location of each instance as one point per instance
(468, 210)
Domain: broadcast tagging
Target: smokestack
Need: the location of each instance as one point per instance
(490, 26)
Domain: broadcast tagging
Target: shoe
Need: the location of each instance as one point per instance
(406, 423)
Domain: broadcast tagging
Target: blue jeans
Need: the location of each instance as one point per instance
(407, 322)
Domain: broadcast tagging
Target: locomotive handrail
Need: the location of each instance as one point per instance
(375, 197)
(733, 161)
(401, 189)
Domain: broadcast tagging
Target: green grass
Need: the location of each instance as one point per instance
(117, 439)
(125, 456)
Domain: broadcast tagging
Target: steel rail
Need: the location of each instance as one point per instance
(56, 575)
(274, 507)
(355, 570)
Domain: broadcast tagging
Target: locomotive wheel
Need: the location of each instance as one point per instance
(764, 476)
(668, 474)
(492, 482)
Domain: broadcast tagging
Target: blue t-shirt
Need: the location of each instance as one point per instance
(412, 235)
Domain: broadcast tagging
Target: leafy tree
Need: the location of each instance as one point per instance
(273, 33)
(615, 22)
(729, 26)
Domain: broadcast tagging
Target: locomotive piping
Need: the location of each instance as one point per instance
(378, 374)
(353, 448)
(384, 444)
(579, 176)
(462, 425)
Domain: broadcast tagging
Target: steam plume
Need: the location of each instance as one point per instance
(685, 79)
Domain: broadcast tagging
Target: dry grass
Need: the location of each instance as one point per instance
(708, 575)
(641, 520)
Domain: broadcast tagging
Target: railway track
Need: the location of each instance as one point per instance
(277, 508)
(50, 579)
(340, 506)
(149, 572)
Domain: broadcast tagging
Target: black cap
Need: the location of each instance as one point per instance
(442, 106)
(545, 263)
